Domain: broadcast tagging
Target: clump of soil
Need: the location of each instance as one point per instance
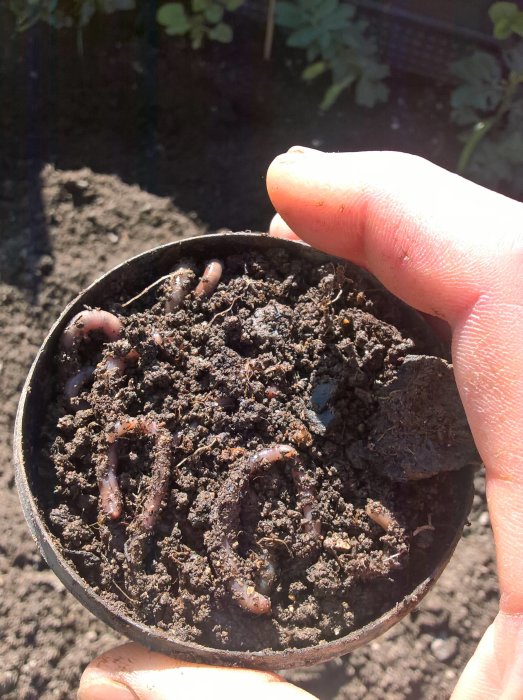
(299, 360)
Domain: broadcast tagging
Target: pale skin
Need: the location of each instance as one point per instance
(451, 249)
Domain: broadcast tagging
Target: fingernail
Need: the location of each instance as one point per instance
(304, 150)
(105, 689)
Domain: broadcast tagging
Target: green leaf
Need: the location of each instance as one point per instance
(221, 32)
(480, 68)
(288, 15)
(214, 13)
(517, 24)
(232, 5)
(339, 19)
(502, 10)
(507, 18)
(199, 5)
(502, 29)
(303, 37)
(334, 92)
(369, 92)
(314, 70)
(324, 9)
(173, 17)
(331, 96)
(484, 99)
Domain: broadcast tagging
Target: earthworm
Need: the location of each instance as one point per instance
(266, 577)
(178, 291)
(91, 320)
(114, 362)
(308, 500)
(145, 522)
(210, 279)
(110, 494)
(74, 384)
(380, 515)
(225, 518)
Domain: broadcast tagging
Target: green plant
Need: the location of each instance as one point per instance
(63, 13)
(202, 19)
(336, 42)
(489, 101)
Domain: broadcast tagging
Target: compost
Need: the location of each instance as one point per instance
(249, 454)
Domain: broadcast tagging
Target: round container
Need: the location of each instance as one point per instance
(123, 282)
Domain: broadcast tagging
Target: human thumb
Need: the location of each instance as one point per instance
(130, 672)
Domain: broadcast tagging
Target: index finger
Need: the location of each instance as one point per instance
(449, 248)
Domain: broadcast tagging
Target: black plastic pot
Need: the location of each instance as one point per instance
(122, 283)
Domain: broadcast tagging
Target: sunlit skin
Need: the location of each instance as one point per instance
(451, 249)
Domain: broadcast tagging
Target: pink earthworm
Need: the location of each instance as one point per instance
(110, 494)
(308, 500)
(380, 515)
(182, 276)
(91, 320)
(267, 571)
(74, 384)
(210, 279)
(225, 519)
(115, 362)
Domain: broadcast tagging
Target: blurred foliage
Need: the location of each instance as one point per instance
(198, 20)
(63, 13)
(336, 42)
(489, 100)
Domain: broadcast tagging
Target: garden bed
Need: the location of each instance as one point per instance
(203, 138)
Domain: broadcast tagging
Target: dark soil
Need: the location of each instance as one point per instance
(200, 137)
(283, 352)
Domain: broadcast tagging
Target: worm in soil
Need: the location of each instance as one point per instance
(267, 572)
(120, 364)
(182, 277)
(210, 279)
(380, 515)
(225, 518)
(110, 494)
(88, 321)
(75, 384)
(308, 501)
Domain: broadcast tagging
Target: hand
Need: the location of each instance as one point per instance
(453, 250)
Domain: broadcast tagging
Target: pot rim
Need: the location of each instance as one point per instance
(154, 638)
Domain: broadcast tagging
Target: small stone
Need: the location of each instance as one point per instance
(45, 265)
(113, 238)
(444, 649)
(484, 519)
(477, 502)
